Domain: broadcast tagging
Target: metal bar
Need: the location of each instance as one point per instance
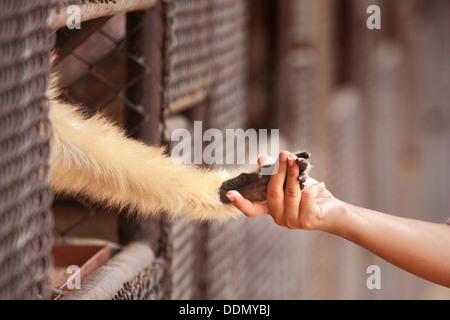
(93, 10)
(146, 46)
(68, 40)
(145, 43)
(188, 102)
(106, 281)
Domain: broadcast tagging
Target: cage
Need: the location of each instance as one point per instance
(370, 105)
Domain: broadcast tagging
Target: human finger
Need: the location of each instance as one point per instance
(275, 190)
(291, 193)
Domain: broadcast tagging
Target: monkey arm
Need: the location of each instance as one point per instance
(92, 158)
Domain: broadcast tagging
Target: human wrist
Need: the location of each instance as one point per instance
(341, 220)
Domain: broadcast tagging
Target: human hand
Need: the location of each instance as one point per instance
(314, 208)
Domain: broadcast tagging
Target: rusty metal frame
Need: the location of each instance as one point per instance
(90, 10)
(143, 240)
(108, 280)
(145, 117)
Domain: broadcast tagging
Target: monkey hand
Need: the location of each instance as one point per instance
(253, 186)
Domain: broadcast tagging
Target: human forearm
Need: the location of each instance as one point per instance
(419, 247)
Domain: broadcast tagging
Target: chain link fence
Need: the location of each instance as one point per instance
(25, 217)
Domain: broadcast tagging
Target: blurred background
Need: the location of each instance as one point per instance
(371, 105)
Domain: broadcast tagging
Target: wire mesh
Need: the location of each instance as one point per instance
(87, 79)
(97, 80)
(205, 58)
(186, 257)
(104, 73)
(187, 49)
(226, 100)
(147, 285)
(247, 258)
(25, 199)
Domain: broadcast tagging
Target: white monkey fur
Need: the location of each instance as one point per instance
(93, 158)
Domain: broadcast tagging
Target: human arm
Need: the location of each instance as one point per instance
(419, 247)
